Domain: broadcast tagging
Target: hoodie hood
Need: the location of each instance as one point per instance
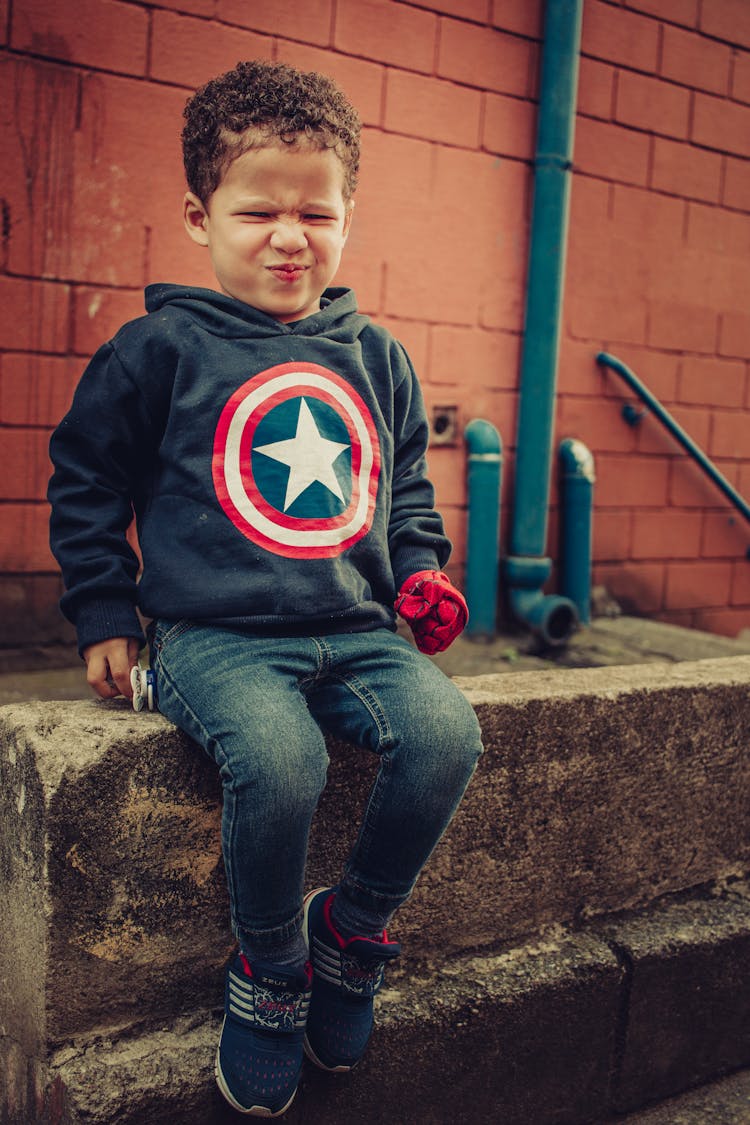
(224, 316)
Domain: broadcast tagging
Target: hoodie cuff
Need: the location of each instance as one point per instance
(101, 620)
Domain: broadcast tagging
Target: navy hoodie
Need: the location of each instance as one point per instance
(276, 472)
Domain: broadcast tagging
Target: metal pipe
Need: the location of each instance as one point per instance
(576, 503)
(485, 461)
(676, 430)
(527, 568)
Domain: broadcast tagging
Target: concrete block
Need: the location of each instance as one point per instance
(600, 791)
(688, 995)
(526, 1036)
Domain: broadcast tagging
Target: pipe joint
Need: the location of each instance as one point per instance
(550, 617)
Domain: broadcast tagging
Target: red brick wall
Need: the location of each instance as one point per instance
(91, 95)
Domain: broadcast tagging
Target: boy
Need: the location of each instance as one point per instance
(271, 442)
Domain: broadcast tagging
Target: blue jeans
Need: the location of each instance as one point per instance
(258, 706)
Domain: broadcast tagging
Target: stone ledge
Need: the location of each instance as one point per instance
(530, 1036)
(600, 791)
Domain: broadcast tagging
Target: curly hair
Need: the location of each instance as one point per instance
(257, 101)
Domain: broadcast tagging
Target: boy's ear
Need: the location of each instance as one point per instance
(348, 217)
(195, 217)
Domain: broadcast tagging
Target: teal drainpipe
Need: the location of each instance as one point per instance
(576, 504)
(527, 568)
(485, 461)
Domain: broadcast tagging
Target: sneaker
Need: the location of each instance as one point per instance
(346, 975)
(259, 1057)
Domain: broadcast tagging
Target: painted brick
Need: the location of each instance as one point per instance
(727, 622)
(695, 585)
(658, 221)
(729, 20)
(730, 435)
(432, 108)
(741, 588)
(509, 126)
(712, 382)
(98, 33)
(596, 88)
(310, 22)
(478, 264)
(388, 32)
(93, 175)
(4, 20)
(666, 534)
(99, 313)
(743, 479)
(724, 535)
(681, 327)
(612, 152)
(524, 17)
(388, 219)
(476, 10)
(38, 108)
(596, 423)
(721, 124)
(189, 7)
(658, 370)
(695, 61)
(690, 487)
(647, 103)
(606, 319)
(722, 232)
(741, 77)
(26, 464)
(127, 176)
(676, 11)
(34, 315)
(35, 390)
(734, 335)
(618, 36)
(24, 539)
(361, 81)
(450, 486)
(685, 170)
(189, 51)
(653, 438)
(481, 56)
(611, 536)
(638, 587)
(631, 481)
(474, 357)
(578, 372)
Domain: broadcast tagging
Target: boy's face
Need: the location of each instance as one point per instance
(275, 227)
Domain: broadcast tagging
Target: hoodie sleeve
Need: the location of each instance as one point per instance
(416, 537)
(97, 452)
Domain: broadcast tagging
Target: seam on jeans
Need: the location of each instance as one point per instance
(204, 741)
(372, 704)
(174, 631)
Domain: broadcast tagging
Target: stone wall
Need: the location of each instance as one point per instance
(565, 890)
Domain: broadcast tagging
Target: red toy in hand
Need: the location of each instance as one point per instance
(434, 608)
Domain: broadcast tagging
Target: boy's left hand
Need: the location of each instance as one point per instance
(434, 608)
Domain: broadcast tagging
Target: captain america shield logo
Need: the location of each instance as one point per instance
(296, 462)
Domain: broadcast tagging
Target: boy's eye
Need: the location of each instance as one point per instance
(315, 218)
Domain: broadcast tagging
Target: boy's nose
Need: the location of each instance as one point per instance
(288, 237)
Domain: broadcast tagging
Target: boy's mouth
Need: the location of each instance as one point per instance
(288, 272)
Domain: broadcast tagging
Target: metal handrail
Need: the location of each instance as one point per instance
(676, 430)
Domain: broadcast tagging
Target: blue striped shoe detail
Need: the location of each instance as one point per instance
(346, 976)
(259, 1057)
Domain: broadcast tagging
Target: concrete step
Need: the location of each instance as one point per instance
(562, 964)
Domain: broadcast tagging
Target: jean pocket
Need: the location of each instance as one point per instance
(164, 632)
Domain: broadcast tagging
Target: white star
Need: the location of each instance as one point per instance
(309, 455)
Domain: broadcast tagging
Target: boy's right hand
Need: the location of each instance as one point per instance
(108, 665)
